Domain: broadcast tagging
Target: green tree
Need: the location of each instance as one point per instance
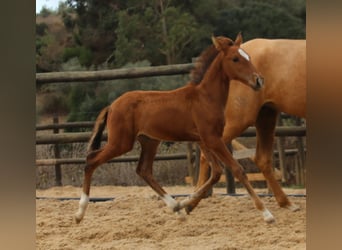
(182, 30)
(51, 39)
(259, 19)
(133, 33)
(45, 12)
(166, 31)
(94, 26)
(160, 33)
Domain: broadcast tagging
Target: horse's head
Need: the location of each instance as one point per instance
(236, 62)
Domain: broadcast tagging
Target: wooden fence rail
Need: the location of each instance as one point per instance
(84, 136)
(125, 73)
(237, 155)
(65, 125)
(47, 162)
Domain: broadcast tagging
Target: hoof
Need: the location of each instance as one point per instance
(293, 208)
(270, 220)
(77, 218)
(268, 217)
(180, 216)
(177, 208)
(188, 209)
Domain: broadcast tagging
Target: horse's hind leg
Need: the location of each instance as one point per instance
(95, 159)
(265, 126)
(144, 170)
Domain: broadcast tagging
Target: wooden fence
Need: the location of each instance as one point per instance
(85, 76)
(192, 154)
(85, 136)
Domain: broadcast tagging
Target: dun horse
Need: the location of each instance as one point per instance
(283, 64)
(194, 112)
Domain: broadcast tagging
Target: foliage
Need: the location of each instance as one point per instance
(117, 32)
(83, 54)
(51, 39)
(131, 38)
(259, 19)
(158, 34)
(84, 104)
(41, 29)
(45, 12)
(85, 100)
(94, 26)
(93, 35)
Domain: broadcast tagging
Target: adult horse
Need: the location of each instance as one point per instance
(283, 64)
(194, 112)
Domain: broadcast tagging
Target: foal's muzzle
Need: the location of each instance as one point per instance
(259, 82)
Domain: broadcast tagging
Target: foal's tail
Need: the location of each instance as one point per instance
(100, 124)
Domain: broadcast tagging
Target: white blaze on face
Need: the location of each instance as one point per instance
(244, 54)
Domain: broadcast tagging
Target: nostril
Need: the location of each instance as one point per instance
(259, 82)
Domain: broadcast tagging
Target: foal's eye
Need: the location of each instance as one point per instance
(235, 59)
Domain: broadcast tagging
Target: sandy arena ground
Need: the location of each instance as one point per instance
(137, 219)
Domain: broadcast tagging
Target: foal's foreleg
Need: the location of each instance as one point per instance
(220, 150)
(144, 170)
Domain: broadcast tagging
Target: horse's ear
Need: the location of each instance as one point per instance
(238, 40)
(216, 43)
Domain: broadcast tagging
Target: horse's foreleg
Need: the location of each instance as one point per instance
(265, 126)
(144, 170)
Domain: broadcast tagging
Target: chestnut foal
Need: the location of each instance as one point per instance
(194, 112)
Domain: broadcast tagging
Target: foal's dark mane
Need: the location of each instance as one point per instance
(202, 64)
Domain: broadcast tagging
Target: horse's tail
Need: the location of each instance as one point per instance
(100, 124)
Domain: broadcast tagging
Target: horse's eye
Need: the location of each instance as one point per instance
(235, 59)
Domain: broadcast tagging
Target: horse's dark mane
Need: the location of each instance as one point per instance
(202, 64)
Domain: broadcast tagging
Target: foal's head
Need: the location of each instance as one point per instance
(236, 62)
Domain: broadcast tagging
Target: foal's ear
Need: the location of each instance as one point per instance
(238, 39)
(216, 43)
(222, 43)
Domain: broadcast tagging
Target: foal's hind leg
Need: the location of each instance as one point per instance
(201, 191)
(95, 159)
(144, 170)
(265, 125)
(204, 169)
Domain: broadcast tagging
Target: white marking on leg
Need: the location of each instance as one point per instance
(188, 200)
(82, 207)
(268, 217)
(185, 202)
(169, 201)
